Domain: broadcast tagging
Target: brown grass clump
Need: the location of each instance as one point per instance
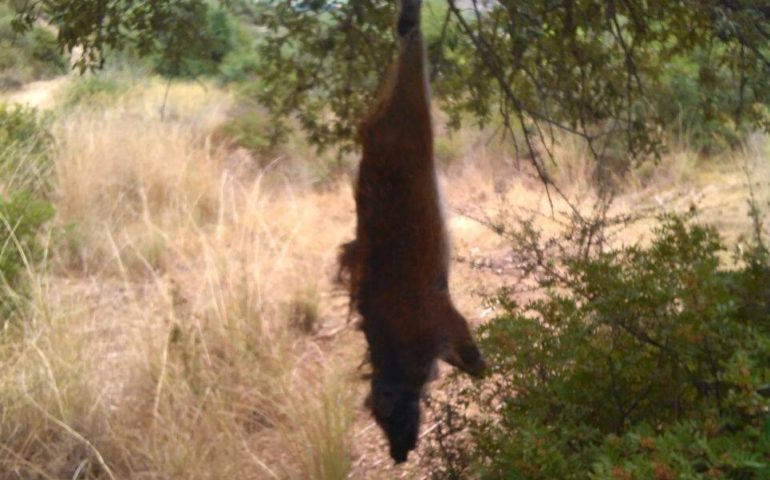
(158, 340)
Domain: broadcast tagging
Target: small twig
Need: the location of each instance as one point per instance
(165, 99)
(331, 334)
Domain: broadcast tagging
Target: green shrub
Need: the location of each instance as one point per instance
(249, 125)
(239, 66)
(93, 88)
(247, 128)
(25, 148)
(16, 124)
(20, 124)
(637, 363)
(47, 52)
(241, 63)
(25, 164)
(14, 72)
(24, 58)
(698, 101)
(192, 52)
(22, 215)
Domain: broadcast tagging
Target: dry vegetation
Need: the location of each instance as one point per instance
(184, 323)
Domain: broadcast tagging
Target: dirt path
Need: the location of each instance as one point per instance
(40, 94)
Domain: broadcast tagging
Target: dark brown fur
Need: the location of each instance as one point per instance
(398, 266)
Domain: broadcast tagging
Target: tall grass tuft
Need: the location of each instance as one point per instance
(155, 340)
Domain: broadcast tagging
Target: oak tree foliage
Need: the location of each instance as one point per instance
(605, 70)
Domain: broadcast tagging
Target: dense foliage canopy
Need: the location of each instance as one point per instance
(613, 72)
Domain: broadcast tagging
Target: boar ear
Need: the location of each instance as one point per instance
(459, 349)
(466, 357)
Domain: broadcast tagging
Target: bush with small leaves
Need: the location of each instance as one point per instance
(190, 53)
(25, 149)
(21, 218)
(94, 90)
(637, 363)
(25, 164)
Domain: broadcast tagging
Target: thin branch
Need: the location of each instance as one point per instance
(520, 110)
(485, 52)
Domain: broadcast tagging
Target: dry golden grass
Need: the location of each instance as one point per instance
(184, 324)
(159, 341)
